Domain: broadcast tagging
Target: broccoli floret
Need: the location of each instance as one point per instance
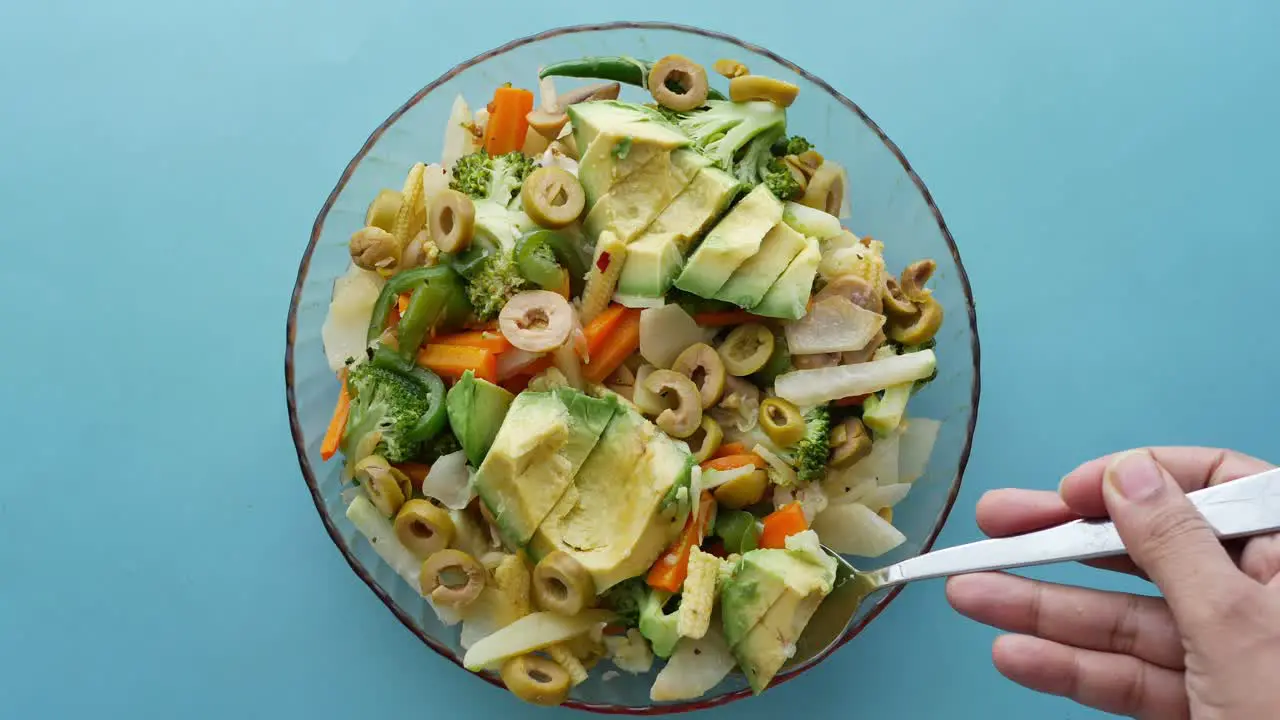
(640, 606)
(494, 284)
(387, 402)
(488, 177)
(813, 449)
(793, 145)
(781, 182)
(736, 136)
(446, 443)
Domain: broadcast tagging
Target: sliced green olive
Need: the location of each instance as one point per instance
(562, 585)
(704, 441)
(383, 210)
(747, 349)
(452, 221)
(760, 87)
(678, 83)
(781, 421)
(373, 248)
(452, 578)
(702, 364)
(546, 123)
(730, 68)
(681, 420)
(553, 197)
(811, 159)
(826, 189)
(922, 327)
(914, 277)
(384, 484)
(536, 680)
(650, 403)
(897, 306)
(423, 528)
(850, 442)
(744, 491)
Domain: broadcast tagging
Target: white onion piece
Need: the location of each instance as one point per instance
(842, 487)
(458, 139)
(811, 387)
(916, 447)
(513, 361)
(694, 667)
(449, 482)
(712, 479)
(637, 301)
(529, 633)
(435, 179)
(883, 496)
(810, 221)
(780, 473)
(490, 612)
(346, 327)
(381, 535)
(855, 529)
(665, 332)
(834, 324)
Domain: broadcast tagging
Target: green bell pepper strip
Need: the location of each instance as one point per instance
(453, 299)
(535, 267)
(622, 69)
(738, 530)
(434, 419)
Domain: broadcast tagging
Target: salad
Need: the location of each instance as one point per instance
(611, 370)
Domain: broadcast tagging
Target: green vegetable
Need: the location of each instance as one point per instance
(929, 345)
(778, 178)
(793, 145)
(778, 363)
(738, 136)
(401, 402)
(487, 177)
(638, 605)
(497, 279)
(476, 409)
(883, 412)
(810, 454)
(425, 308)
(446, 443)
(541, 254)
(738, 530)
(446, 293)
(625, 70)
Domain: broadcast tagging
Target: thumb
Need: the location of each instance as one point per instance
(1165, 534)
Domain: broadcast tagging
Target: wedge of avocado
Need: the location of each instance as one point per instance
(729, 244)
(623, 119)
(789, 296)
(769, 644)
(476, 409)
(544, 439)
(632, 204)
(753, 278)
(698, 207)
(610, 159)
(652, 264)
(615, 519)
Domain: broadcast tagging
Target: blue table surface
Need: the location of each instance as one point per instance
(1108, 170)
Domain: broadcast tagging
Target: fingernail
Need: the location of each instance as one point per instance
(1135, 476)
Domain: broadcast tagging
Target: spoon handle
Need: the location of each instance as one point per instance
(1247, 506)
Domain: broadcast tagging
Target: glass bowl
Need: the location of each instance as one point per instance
(889, 202)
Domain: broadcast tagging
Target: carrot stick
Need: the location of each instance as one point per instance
(729, 462)
(491, 340)
(508, 120)
(453, 360)
(337, 425)
(781, 524)
(671, 568)
(725, 317)
(733, 448)
(601, 326)
(615, 348)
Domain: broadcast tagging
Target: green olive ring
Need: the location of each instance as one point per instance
(562, 585)
(386, 486)
(896, 304)
(452, 221)
(781, 421)
(702, 364)
(704, 441)
(684, 417)
(678, 83)
(826, 189)
(914, 277)
(850, 442)
(759, 87)
(373, 248)
(536, 680)
(423, 528)
(553, 197)
(746, 349)
(730, 68)
(440, 575)
(922, 327)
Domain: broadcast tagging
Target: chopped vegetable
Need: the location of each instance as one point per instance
(671, 568)
(626, 70)
(736, 135)
(833, 324)
(885, 496)
(855, 529)
(459, 136)
(403, 407)
(508, 120)
(333, 435)
(665, 332)
(345, 330)
(449, 482)
(602, 278)
(729, 462)
(615, 347)
(490, 340)
(733, 448)
(454, 360)
(724, 318)
(807, 387)
(544, 256)
(531, 632)
(738, 530)
(782, 523)
(916, 446)
(630, 652)
(698, 595)
(696, 666)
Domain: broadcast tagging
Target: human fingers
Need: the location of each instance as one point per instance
(1091, 619)
(1114, 683)
(1011, 511)
(1167, 537)
(1260, 559)
(1193, 468)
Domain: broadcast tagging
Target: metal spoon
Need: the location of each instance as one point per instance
(1248, 506)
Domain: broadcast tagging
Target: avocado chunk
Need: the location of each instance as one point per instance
(766, 603)
(544, 439)
(789, 296)
(753, 278)
(476, 409)
(811, 221)
(641, 124)
(729, 244)
(610, 159)
(701, 204)
(633, 203)
(617, 516)
(652, 264)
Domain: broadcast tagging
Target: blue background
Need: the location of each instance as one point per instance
(1108, 170)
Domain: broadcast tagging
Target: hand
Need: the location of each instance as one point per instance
(1210, 648)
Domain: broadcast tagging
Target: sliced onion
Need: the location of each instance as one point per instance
(834, 324)
(780, 473)
(346, 326)
(916, 448)
(458, 138)
(490, 612)
(883, 496)
(449, 482)
(854, 529)
(529, 633)
(841, 487)
(637, 301)
(569, 364)
(381, 535)
(665, 332)
(810, 387)
(435, 179)
(696, 666)
(712, 479)
(515, 361)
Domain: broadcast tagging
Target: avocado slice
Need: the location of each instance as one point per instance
(769, 644)
(652, 264)
(753, 278)
(729, 244)
(609, 160)
(701, 204)
(633, 203)
(615, 519)
(476, 409)
(789, 296)
(544, 439)
(641, 124)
